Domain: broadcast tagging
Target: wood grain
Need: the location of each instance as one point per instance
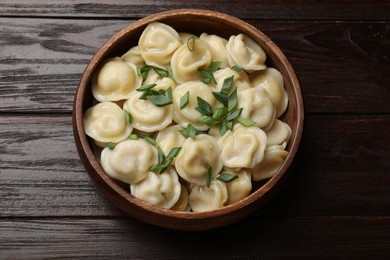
(255, 238)
(252, 9)
(343, 170)
(41, 62)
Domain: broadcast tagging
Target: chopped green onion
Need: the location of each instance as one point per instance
(204, 107)
(184, 100)
(208, 177)
(227, 177)
(207, 76)
(156, 168)
(146, 87)
(161, 156)
(168, 93)
(232, 100)
(223, 128)
(189, 131)
(233, 115)
(220, 112)
(246, 122)
(207, 120)
(229, 125)
(144, 71)
(191, 43)
(159, 100)
(110, 145)
(214, 66)
(221, 97)
(139, 72)
(237, 68)
(162, 73)
(133, 137)
(170, 74)
(227, 84)
(166, 165)
(174, 152)
(149, 140)
(128, 117)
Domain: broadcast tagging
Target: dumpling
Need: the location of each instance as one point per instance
(240, 187)
(257, 105)
(133, 56)
(245, 52)
(162, 190)
(240, 79)
(169, 138)
(105, 122)
(196, 157)
(218, 48)
(114, 80)
(279, 133)
(157, 44)
(272, 81)
(185, 63)
(189, 115)
(185, 36)
(129, 161)
(147, 117)
(274, 157)
(161, 83)
(182, 203)
(243, 147)
(203, 198)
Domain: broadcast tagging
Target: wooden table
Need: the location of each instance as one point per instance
(336, 203)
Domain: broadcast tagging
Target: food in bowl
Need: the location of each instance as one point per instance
(188, 121)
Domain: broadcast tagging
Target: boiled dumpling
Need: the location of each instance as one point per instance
(184, 36)
(147, 117)
(239, 188)
(203, 198)
(196, 157)
(169, 138)
(162, 190)
(245, 52)
(279, 133)
(186, 63)
(182, 203)
(189, 115)
(272, 81)
(115, 80)
(129, 161)
(105, 122)
(243, 147)
(157, 44)
(240, 79)
(257, 105)
(274, 157)
(161, 83)
(218, 48)
(133, 56)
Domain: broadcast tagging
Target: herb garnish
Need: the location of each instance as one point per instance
(150, 140)
(227, 177)
(208, 176)
(133, 137)
(157, 97)
(164, 161)
(189, 131)
(246, 122)
(184, 100)
(191, 43)
(237, 68)
(128, 117)
(207, 74)
(110, 145)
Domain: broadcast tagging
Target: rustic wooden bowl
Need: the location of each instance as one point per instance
(196, 22)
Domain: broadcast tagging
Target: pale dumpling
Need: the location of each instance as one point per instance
(162, 190)
(245, 52)
(105, 122)
(184, 36)
(157, 44)
(196, 157)
(243, 147)
(274, 157)
(189, 115)
(115, 80)
(133, 56)
(129, 161)
(186, 63)
(258, 106)
(279, 133)
(240, 79)
(147, 117)
(272, 81)
(203, 198)
(218, 48)
(169, 138)
(240, 187)
(161, 83)
(182, 204)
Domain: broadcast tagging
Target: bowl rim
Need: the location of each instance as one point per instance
(111, 186)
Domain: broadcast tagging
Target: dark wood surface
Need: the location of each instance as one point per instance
(336, 203)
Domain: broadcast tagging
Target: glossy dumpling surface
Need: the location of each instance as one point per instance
(279, 133)
(246, 53)
(157, 44)
(274, 156)
(115, 80)
(162, 190)
(218, 48)
(146, 116)
(129, 161)
(240, 79)
(133, 56)
(169, 138)
(243, 147)
(105, 122)
(240, 187)
(203, 198)
(196, 157)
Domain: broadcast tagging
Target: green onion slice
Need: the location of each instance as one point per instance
(227, 177)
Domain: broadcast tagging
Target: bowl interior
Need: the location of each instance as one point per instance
(196, 22)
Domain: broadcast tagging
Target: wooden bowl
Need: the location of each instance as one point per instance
(196, 22)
